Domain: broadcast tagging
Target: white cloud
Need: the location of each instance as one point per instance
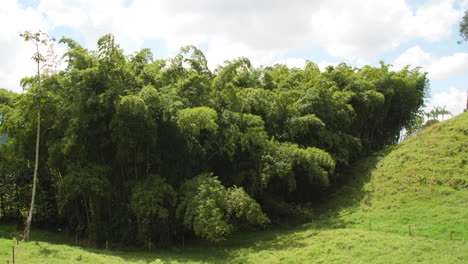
(464, 4)
(357, 29)
(438, 68)
(292, 62)
(350, 29)
(447, 66)
(15, 53)
(324, 64)
(221, 49)
(92, 19)
(64, 13)
(432, 21)
(455, 100)
(414, 56)
(262, 30)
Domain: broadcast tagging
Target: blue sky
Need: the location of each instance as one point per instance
(327, 32)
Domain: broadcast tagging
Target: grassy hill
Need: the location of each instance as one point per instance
(420, 184)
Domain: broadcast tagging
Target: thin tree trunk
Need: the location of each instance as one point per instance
(36, 160)
(36, 165)
(2, 206)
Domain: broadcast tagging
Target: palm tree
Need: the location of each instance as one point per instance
(433, 114)
(443, 111)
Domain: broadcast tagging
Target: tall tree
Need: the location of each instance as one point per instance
(39, 39)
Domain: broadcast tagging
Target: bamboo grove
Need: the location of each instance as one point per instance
(137, 150)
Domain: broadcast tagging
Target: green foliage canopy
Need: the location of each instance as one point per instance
(131, 143)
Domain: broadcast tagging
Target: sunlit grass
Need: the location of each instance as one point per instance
(301, 246)
(422, 183)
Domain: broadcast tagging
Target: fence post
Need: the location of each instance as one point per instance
(13, 255)
(409, 230)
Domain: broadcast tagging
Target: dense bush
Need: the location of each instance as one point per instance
(129, 144)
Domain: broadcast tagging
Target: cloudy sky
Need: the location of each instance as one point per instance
(358, 32)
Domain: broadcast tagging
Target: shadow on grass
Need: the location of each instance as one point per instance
(211, 255)
(194, 252)
(348, 192)
(206, 252)
(7, 231)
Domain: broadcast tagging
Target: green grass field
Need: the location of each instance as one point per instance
(420, 184)
(306, 245)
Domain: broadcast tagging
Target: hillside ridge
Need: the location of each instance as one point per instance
(421, 182)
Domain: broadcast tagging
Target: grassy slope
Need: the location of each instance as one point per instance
(422, 182)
